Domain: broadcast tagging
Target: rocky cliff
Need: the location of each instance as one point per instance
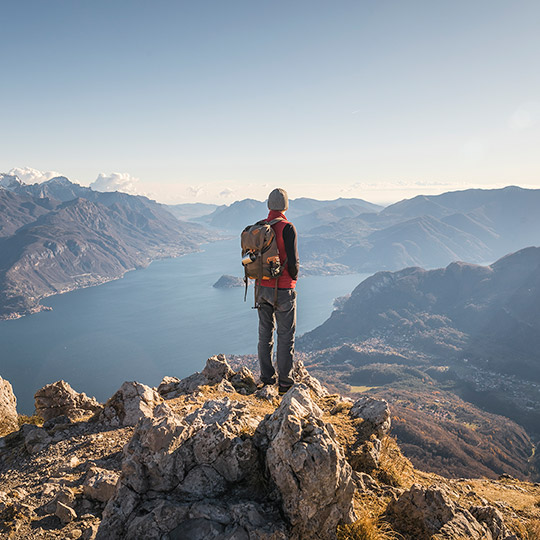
(213, 456)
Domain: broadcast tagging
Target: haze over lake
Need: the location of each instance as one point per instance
(164, 320)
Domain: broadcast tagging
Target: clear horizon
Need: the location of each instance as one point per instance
(215, 102)
(263, 198)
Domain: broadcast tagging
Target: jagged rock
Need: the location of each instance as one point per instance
(374, 411)
(268, 392)
(100, 484)
(492, 518)
(243, 381)
(307, 466)
(422, 512)
(65, 495)
(130, 403)
(65, 512)
(189, 385)
(193, 458)
(366, 458)
(36, 439)
(301, 375)
(59, 399)
(225, 386)
(167, 385)
(217, 368)
(8, 408)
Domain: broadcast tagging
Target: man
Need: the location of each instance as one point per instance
(284, 310)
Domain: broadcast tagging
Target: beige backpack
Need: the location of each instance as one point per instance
(260, 254)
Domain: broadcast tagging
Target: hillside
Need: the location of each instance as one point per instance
(210, 456)
(463, 311)
(59, 236)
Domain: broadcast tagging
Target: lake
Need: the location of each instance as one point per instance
(166, 319)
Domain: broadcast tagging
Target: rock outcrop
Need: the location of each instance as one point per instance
(301, 375)
(375, 412)
(307, 467)
(423, 512)
(59, 399)
(176, 471)
(178, 466)
(8, 408)
(227, 461)
(100, 484)
(217, 371)
(129, 404)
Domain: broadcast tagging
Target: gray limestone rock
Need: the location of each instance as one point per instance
(268, 392)
(301, 375)
(129, 404)
(374, 411)
(59, 399)
(307, 466)
(492, 519)
(36, 440)
(193, 458)
(167, 385)
(423, 512)
(243, 380)
(216, 371)
(8, 408)
(100, 484)
(225, 386)
(217, 368)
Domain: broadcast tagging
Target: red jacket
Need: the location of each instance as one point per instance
(287, 251)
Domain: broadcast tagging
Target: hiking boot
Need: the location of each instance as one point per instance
(263, 384)
(283, 390)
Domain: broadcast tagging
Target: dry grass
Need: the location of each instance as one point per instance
(521, 496)
(24, 419)
(368, 527)
(394, 468)
(533, 529)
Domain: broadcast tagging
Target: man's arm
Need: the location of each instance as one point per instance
(291, 248)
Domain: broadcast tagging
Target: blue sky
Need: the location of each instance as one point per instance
(214, 101)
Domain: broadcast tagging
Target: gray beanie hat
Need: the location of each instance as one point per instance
(278, 200)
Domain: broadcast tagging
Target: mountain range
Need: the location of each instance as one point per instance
(306, 213)
(474, 225)
(353, 235)
(58, 236)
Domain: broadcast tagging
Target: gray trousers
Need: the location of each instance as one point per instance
(284, 313)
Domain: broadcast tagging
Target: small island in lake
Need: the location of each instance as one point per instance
(228, 282)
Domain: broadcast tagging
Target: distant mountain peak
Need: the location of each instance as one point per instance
(9, 181)
(60, 180)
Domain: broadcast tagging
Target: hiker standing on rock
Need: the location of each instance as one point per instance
(278, 305)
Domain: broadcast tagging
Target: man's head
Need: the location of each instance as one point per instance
(278, 200)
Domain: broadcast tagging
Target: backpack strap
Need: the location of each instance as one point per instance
(246, 282)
